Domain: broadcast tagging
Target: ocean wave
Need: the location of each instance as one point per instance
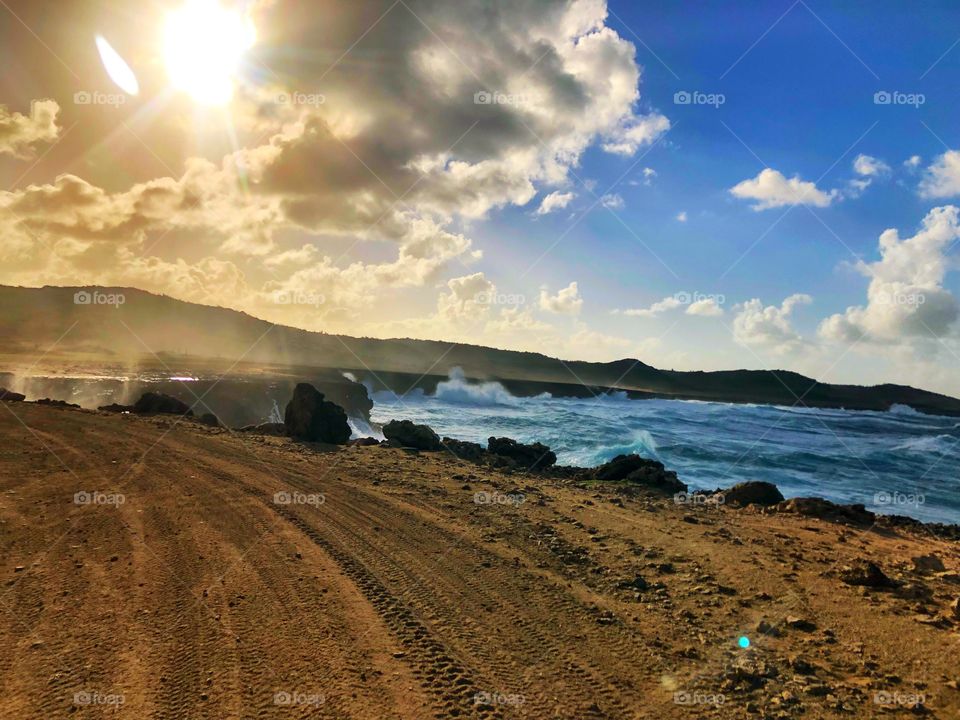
(898, 409)
(938, 444)
(641, 442)
(457, 390)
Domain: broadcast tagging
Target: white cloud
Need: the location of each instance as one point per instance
(870, 166)
(635, 133)
(905, 298)
(913, 162)
(770, 189)
(768, 326)
(19, 133)
(612, 202)
(706, 307)
(555, 201)
(942, 178)
(566, 302)
(648, 175)
(682, 216)
(659, 307)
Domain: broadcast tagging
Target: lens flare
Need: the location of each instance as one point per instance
(743, 642)
(203, 46)
(117, 68)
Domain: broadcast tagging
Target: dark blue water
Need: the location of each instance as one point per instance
(897, 462)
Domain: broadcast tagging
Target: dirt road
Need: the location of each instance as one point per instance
(155, 569)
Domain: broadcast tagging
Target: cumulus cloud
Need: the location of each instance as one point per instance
(20, 133)
(913, 162)
(870, 166)
(770, 189)
(612, 202)
(905, 297)
(566, 302)
(637, 132)
(702, 305)
(942, 178)
(555, 201)
(769, 327)
(659, 307)
(682, 216)
(705, 307)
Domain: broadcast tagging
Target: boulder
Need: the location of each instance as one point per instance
(9, 396)
(151, 402)
(57, 403)
(364, 442)
(526, 457)
(469, 451)
(408, 434)
(865, 573)
(826, 510)
(210, 419)
(753, 492)
(623, 465)
(309, 417)
(114, 407)
(657, 479)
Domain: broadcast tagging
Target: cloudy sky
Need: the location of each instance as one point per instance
(757, 184)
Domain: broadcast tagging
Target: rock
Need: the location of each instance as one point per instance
(9, 396)
(150, 403)
(621, 466)
(210, 419)
(799, 623)
(927, 564)
(408, 434)
(527, 457)
(114, 407)
(56, 403)
(865, 573)
(309, 417)
(753, 492)
(363, 442)
(658, 479)
(826, 510)
(469, 451)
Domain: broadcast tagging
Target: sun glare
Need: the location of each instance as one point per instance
(117, 68)
(204, 43)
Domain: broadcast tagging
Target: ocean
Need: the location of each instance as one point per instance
(897, 462)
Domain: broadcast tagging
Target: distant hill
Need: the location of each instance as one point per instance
(32, 320)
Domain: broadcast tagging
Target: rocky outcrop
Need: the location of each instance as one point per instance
(865, 573)
(469, 451)
(620, 467)
(636, 470)
(364, 442)
(114, 407)
(9, 396)
(57, 403)
(405, 433)
(210, 419)
(152, 403)
(753, 492)
(536, 456)
(826, 510)
(309, 417)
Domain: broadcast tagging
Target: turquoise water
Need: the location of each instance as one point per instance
(898, 462)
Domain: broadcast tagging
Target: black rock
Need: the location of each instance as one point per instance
(364, 442)
(469, 451)
(657, 479)
(151, 402)
(309, 417)
(9, 396)
(410, 435)
(826, 510)
(56, 403)
(526, 457)
(114, 407)
(753, 492)
(623, 465)
(210, 419)
(866, 574)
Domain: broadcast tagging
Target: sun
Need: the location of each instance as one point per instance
(203, 45)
